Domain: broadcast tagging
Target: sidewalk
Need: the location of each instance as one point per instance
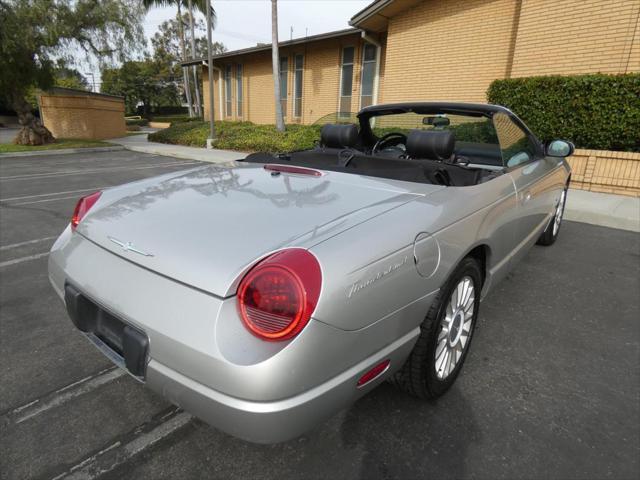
(139, 143)
(607, 210)
(614, 211)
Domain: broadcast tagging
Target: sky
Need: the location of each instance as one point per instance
(243, 23)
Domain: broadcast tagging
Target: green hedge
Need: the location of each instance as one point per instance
(140, 122)
(593, 111)
(175, 118)
(242, 136)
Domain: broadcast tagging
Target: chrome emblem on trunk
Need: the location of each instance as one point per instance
(128, 246)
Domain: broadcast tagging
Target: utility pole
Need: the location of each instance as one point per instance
(212, 128)
(275, 60)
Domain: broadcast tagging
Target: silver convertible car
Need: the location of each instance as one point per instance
(265, 295)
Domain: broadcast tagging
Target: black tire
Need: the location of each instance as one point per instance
(418, 376)
(550, 234)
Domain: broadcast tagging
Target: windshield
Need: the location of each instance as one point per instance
(475, 136)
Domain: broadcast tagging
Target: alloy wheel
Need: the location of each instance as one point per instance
(455, 328)
(559, 212)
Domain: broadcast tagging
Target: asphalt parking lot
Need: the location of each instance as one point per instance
(551, 388)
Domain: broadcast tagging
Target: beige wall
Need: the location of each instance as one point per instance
(453, 50)
(321, 78)
(83, 116)
(448, 49)
(577, 36)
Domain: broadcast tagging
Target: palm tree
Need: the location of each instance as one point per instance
(201, 5)
(148, 4)
(193, 56)
(275, 58)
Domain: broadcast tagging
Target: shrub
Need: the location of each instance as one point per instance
(140, 122)
(242, 136)
(593, 111)
(175, 118)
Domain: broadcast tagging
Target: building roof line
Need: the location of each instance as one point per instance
(369, 11)
(267, 46)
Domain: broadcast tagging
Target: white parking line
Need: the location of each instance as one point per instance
(49, 194)
(41, 201)
(118, 453)
(23, 259)
(67, 173)
(28, 242)
(63, 395)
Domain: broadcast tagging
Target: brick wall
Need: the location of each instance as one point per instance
(321, 78)
(606, 172)
(577, 36)
(448, 49)
(84, 116)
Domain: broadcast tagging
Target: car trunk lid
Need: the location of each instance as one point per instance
(205, 227)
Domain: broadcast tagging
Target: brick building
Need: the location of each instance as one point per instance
(69, 113)
(402, 50)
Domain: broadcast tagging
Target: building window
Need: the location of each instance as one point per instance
(346, 80)
(227, 90)
(297, 92)
(239, 90)
(284, 67)
(368, 74)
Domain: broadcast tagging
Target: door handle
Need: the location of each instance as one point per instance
(526, 196)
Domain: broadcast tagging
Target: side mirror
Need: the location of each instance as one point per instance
(559, 148)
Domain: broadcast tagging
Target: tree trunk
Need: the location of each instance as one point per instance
(275, 57)
(185, 75)
(33, 132)
(196, 85)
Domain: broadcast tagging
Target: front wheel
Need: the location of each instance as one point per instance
(445, 335)
(550, 234)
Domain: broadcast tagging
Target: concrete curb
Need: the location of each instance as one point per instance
(61, 151)
(603, 209)
(139, 143)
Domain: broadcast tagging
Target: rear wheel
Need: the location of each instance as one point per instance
(550, 235)
(445, 335)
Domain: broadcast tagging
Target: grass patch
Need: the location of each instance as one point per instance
(241, 136)
(59, 143)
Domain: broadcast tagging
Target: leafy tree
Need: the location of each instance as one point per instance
(35, 32)
(140, 82)
(167, 49)
(64, 76)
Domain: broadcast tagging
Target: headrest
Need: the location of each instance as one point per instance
(430, 144)
(339, 136)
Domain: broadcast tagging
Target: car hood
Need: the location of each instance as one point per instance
(204, 227)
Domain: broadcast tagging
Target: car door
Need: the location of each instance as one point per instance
(535, 178)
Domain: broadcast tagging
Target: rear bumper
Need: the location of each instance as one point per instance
(201, 358)
(277, 421)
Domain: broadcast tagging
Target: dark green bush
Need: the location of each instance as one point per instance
(242, 136)
(175, 118)
(593, 111)
(140, 122)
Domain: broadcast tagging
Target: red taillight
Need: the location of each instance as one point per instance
(82, 208)
(374, 373)
(277, 297)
